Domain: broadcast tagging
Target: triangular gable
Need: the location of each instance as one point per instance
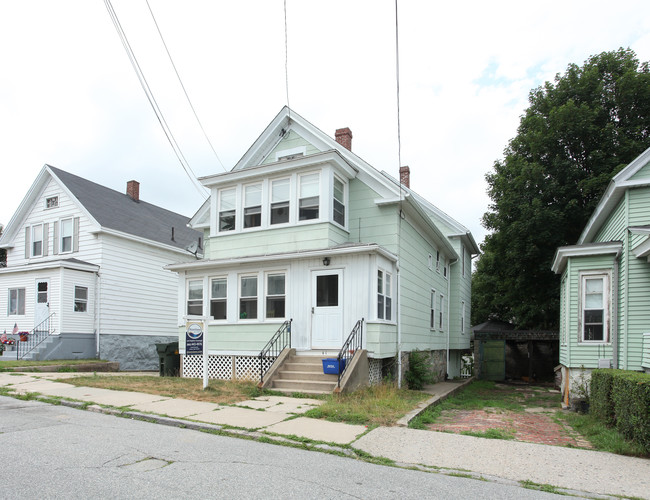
(31, 198)
(637, 173)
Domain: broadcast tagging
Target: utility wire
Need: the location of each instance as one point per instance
(286, 58)
(152, 100)
(183, 87)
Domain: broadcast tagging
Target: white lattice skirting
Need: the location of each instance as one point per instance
(222, 367)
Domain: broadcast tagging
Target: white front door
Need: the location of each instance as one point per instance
(327, 309)
(42, 309)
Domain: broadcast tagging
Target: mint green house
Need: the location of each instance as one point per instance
(302, 229)
(605, 286)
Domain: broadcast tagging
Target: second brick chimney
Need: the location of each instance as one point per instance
(405, 176)
(344, 137)
(133, 190)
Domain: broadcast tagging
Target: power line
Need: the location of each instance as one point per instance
(286, 57)
(152, 100)
(183, 87)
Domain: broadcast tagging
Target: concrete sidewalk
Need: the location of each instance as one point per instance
(574, 470)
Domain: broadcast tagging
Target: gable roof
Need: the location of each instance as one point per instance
(111, 211)
(613, 194)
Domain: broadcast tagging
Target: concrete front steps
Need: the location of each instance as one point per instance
(303, 374)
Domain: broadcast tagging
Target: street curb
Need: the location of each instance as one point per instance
(406, 419)
(109, 366)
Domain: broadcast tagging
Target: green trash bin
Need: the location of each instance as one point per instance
(170, 360)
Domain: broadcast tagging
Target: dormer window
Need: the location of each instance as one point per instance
(227, 203)
(253, 206)
(280, 201)
(52, 202)
(308, 202)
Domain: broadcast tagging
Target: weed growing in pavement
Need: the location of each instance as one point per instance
(547, 488)
(507, 434)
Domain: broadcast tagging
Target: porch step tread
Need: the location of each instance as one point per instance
(304, 386)
(302, 367)
(293, 391)
(305, 375)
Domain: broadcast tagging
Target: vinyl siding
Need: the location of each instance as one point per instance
(289, 141)
(137, 295)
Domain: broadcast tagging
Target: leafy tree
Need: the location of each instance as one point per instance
(576, 134)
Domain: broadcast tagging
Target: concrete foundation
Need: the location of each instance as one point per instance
(133, 352)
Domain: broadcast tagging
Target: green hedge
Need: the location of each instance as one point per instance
(622, 398)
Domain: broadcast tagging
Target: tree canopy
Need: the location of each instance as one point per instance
(577, 132)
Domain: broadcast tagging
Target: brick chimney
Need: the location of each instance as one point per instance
(133, 190)
(405, 176)
(344, 137)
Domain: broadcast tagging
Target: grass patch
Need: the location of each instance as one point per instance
(507, 434)
(53, 362)
(487, 394)
(603, 438)
(547, 488)
(218, 391)
(382, 404)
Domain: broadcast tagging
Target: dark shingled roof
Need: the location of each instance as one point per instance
(118, 211)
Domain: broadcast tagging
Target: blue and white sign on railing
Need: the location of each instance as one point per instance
(194, 337)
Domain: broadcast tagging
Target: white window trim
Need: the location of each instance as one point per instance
(320, 198)
(290, 152)
(432, 310)
(260, 307)
(17, 290)
(187, 297)
(61, 236)
(56, 202)
(244, 207)
(209, 311)
(462, 317)
(605, 275)
(33, 240)
(344, 201)
(384, 294)
(266, 295)
(438, 260)
(266, 219)
(86, 300)
(219, 211)
(441, 313)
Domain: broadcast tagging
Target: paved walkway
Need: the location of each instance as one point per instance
(279, 418)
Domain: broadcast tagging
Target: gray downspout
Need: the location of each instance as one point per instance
(97, 312)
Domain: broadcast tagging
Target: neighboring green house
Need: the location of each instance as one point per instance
(605, 287)
(303, 229)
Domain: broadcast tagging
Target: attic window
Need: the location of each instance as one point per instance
(52, 202)
(290, 154)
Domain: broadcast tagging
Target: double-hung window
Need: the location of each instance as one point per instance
(275, 295)
(66, 235)
(80, 299)
(218, 298)
(308, 202)
(16, 302)
(384, 299)
(462, 317)
(37, 240)
(441, 309)
(437, 260)
(195, 298)
(432, 310)
(227, 203)
(280, 201)
(253, 206)
(338, 202)
(248, 297)
(595, 314)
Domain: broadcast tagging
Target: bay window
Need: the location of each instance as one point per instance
(384, 299)
(338, 202)
(227, 204)
(308, 202)
(80, 299)
(253, 206)
(280, 201)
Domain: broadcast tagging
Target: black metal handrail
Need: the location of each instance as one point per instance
(350, 347)
(40, 332)
(280, 340)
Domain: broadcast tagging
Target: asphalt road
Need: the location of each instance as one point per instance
(49, 451)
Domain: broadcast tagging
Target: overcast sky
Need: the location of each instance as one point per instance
(70, 98)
